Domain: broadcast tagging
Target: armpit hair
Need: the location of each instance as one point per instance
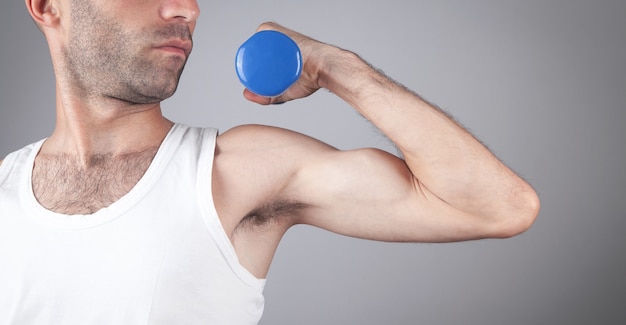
(277, 211)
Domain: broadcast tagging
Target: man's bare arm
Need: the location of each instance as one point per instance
(448, 187)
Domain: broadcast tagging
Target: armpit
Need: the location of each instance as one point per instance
(271, 214)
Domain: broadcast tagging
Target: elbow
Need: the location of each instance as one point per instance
(519, 216)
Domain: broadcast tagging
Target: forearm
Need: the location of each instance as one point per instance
(442, 156)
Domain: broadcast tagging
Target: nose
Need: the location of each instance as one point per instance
(186, 10)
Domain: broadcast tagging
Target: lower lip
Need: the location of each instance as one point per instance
(173, 50)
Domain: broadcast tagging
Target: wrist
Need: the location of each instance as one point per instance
(346, 75)
(336, 64)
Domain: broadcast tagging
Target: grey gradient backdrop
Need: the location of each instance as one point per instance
(542, 83)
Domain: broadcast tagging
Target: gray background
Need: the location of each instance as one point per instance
(542, 83)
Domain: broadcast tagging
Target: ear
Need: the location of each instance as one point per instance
(43, 12)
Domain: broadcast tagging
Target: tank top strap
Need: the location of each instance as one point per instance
(209, 213)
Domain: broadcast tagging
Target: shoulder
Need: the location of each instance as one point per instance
(262, 137)
(249, 151)
(254, 164)
(268, 150)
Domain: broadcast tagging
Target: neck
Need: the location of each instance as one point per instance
(85, 129)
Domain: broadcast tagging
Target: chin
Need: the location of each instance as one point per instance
(152, 93)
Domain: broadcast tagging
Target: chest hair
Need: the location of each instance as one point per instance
(63, 184)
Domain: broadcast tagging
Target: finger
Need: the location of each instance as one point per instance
(270, 25)
(261, 100)
(247, 94)
(280, 28)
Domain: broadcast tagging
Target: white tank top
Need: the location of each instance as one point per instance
(159, 255)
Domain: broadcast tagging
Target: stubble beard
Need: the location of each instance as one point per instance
(102, 60)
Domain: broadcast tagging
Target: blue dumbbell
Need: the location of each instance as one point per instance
(268, 63)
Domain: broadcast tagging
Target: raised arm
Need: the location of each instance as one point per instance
(449, 187)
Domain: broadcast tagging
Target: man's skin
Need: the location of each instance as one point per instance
(116, 60)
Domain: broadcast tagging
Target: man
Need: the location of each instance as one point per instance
(124, 217)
